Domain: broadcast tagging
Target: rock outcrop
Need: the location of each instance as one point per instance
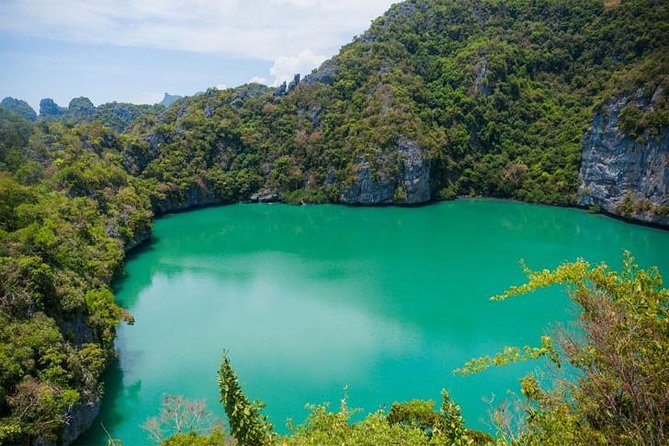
(81, 109)
(624, 175)
(194, 197)
(266, 196)
(169, 99)
(409, 184)
(49, 109)
(19, 107)
(80, 418)
(324, 74)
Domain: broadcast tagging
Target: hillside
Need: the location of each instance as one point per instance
(436, 100)
(549, 101)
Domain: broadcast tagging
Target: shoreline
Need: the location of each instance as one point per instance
(200, 206)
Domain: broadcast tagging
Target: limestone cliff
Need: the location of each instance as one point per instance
(407, 182)
(622, 174)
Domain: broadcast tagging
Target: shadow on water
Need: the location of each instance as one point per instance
(122, 275)
(126, 296)
(109, 415)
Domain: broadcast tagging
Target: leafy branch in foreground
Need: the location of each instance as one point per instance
(621, 395)
(247, 425)
(510, 355)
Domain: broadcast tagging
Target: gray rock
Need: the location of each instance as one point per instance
(410, 186)
(324, 74)
(49, 109)
(367, 189)
(169, 99)
(294, 82)
(19, 107)
(81, 109)
(618, 169)
(80, 418)
(281, 90)
(266, 196)
(194, 197)
(481, 83)
(415, 173)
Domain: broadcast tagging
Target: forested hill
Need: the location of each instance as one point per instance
(438, 99)
(552, 101)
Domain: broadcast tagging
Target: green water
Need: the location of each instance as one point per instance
(310, 299)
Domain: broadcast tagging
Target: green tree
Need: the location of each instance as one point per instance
(247, 425)
(621, 350)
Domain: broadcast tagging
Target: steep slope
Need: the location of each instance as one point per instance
(625, 168)
(438, 99)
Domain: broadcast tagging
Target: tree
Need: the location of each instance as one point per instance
(181, 418)
(247, 425)
(620, 349)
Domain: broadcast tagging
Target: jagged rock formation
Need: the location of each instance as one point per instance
(119, 116)
(49, 109)
(624, 175)
(19, 107)
(81, 109)
(266, 196)
(81, 418)
(169, 99)
(410, 185)
(324, 74)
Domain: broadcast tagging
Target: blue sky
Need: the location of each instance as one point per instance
(135, 50)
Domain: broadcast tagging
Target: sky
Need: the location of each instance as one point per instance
(136, 50)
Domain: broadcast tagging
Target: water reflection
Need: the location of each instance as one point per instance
(308, 300)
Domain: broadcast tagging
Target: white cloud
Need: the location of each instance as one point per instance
(221, 87)
(147, 97)
(250, 29)
(285, 68)
(259, 80)
(293, 35)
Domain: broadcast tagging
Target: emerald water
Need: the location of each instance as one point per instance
(307, 300)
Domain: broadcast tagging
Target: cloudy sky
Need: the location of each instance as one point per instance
(135, 50)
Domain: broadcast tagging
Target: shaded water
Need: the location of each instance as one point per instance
(310, 299)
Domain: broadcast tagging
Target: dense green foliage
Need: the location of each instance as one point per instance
(496, 94)
(412, 423)
(66, 213)
(621, 350)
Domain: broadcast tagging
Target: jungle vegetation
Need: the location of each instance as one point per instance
(498, 95)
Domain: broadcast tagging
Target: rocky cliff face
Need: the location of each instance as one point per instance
(409, 183)
(623, 175)
(20, 107)
(195, 196)
(81, 417)
(49, 109)
(169, 99)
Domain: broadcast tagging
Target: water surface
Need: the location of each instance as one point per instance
(307, 300)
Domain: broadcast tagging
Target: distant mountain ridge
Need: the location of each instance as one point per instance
(119, 116)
